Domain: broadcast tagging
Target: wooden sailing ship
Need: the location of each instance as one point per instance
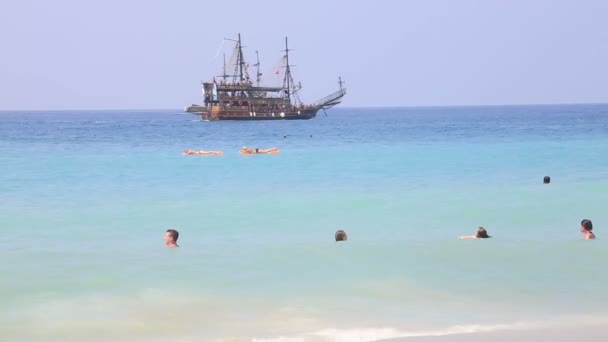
(236, 97)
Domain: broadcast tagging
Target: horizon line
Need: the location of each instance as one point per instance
(342, 107)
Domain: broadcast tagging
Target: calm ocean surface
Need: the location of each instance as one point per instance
(85, 197)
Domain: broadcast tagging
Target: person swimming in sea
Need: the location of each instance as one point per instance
(170, 237)
(273, 150)
(341, 235)
(481, 233)
(586, 229)
(202, 153)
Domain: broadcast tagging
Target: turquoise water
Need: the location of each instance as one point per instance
(85, 197)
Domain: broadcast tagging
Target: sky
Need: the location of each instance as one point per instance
(136, 54)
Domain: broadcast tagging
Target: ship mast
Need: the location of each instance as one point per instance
(240, 69)
(287, 71)
(257, 65)
(240, 60)
(224, 69)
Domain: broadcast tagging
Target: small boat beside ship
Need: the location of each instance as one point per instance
(236, 97)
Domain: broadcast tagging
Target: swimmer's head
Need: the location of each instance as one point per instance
(341, 235)
(171, 236)
(547, 180)
(586, 225)
(482, 233)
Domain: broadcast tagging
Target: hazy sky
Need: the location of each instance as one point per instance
(63, 54)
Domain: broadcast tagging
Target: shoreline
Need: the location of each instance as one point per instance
(592, 331)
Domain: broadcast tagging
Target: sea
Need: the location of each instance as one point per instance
(86, 197)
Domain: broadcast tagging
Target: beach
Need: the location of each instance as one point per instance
(597, 332)
(88, 195)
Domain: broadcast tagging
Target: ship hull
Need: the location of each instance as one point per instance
(303, 114)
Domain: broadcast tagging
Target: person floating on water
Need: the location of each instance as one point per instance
(202, 153)
(273, 150)
(171, 237)
(481, 233)
(586, 229)
(341, 235)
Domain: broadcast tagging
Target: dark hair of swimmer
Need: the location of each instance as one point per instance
(482, 233)
(174, 234)
(587, 224)
(547, 180)
(341, 235)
